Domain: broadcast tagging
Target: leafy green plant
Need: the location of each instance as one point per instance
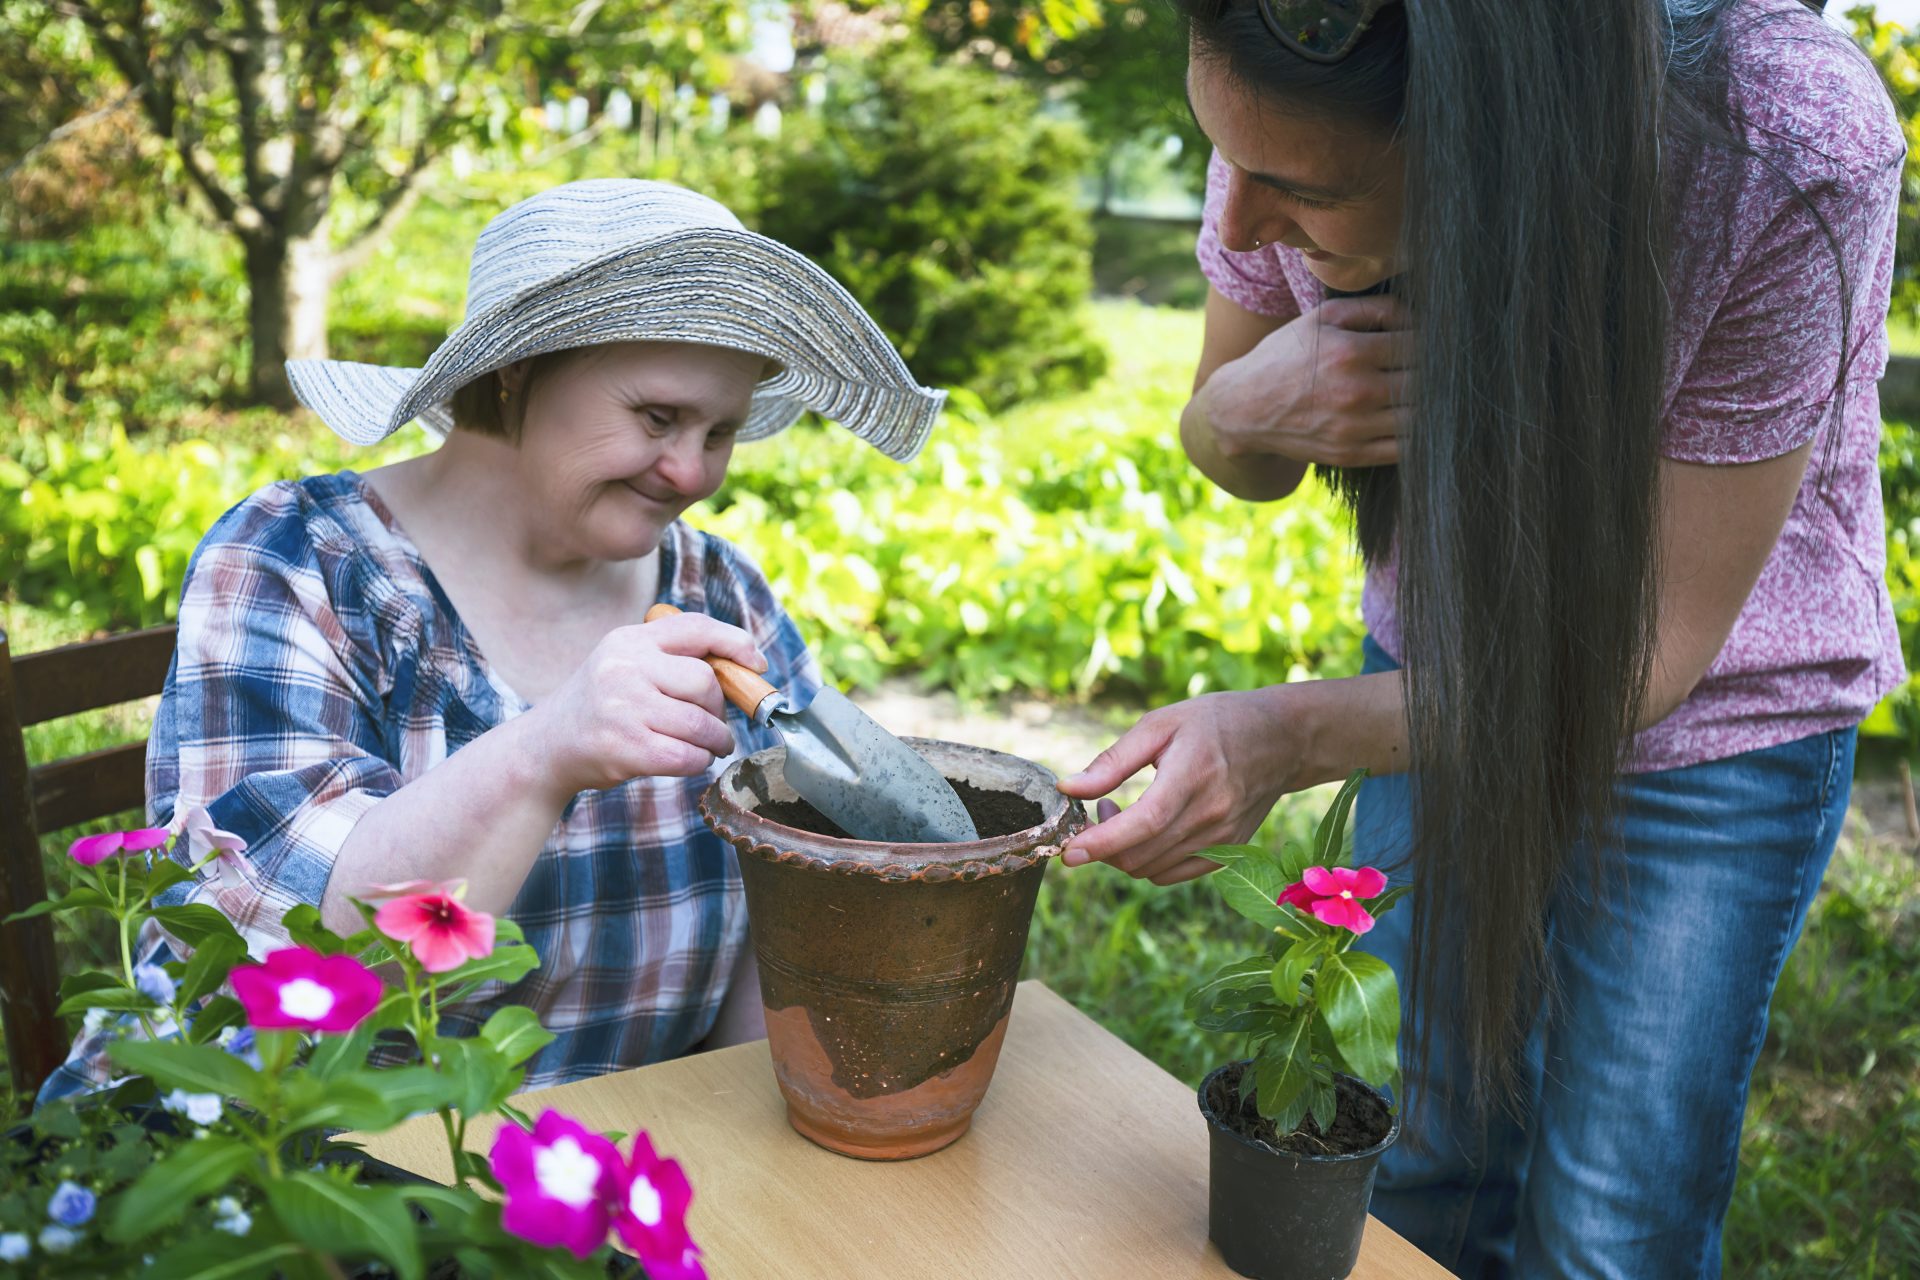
(1309, 1004)
(960, 234)
(217, 1152)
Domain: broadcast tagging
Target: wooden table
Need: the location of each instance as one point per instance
(1085, 1159)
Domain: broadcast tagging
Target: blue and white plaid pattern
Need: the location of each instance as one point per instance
(320, 668)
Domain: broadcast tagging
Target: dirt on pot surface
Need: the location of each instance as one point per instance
(1359, 1121)
(994, 813)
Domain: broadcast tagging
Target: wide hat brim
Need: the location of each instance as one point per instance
(704, 285)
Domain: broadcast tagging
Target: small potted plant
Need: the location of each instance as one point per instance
(1299, 1124)
(217, 1151)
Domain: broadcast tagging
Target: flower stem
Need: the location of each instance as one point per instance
(125, 918)
(456, 1137)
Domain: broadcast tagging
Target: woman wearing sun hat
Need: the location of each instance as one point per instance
(438, 670)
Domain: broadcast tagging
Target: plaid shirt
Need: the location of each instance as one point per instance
(320, 668)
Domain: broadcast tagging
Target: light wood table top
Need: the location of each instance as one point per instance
(1085, 1160)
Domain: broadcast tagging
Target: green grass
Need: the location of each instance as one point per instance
(1903, 337)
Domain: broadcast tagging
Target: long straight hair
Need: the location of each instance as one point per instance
(1536, 135)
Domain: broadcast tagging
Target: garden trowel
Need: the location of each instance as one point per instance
(844, 764)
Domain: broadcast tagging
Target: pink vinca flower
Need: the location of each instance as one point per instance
(651, 1214)
(204, 838)
(302, 990)
(442, 931)
(1332, 895)
(90, 851)
(558, 1181)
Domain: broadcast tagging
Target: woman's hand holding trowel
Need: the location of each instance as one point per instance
(844, 764)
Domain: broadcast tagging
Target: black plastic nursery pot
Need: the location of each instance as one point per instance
(1278, 1216)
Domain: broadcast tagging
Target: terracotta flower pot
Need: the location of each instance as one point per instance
(887, 971)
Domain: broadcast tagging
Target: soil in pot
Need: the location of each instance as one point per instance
(994, 813)
(1360, 1121)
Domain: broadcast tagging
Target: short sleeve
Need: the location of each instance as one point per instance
(1763, 380)
(1253, 280)
(270, 721)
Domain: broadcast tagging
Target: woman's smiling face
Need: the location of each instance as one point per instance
(617, 442)
(1333, 191)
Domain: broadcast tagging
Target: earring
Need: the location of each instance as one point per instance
(1257, 242)
(505, 395)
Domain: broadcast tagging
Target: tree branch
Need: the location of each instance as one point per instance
(155, 82)
(78, 122)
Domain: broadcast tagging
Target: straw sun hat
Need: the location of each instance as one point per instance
(622, 260)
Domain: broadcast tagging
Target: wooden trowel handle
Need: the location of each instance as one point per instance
(744, 689)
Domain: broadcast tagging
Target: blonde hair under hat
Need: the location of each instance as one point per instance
(626, 260)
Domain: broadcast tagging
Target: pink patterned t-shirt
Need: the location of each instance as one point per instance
(1753, 352)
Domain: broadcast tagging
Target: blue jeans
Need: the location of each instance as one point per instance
(1623, 1159)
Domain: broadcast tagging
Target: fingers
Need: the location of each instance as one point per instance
(1388, 352)
(662, 755)
(1135, 750)
(1185, 870)
(1376, 313)
(690, 680)
(695, 635)
(1133, 832)
(697, 727)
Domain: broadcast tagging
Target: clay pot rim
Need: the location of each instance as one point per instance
(930, 862)
(1222, 1127)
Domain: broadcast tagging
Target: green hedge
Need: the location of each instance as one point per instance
(1066, 547)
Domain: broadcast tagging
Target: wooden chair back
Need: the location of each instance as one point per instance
(37, 799)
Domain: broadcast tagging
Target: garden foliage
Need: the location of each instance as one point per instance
(979, 267)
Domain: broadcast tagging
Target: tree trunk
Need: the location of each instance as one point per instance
(288, 277)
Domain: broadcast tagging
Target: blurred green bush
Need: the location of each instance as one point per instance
(1064, 547)
(962, 235)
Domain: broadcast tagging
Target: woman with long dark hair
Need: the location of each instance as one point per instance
(1581, 308)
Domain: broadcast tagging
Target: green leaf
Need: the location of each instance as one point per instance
(174, 1182)
(1323, 1101)
(1294, 860)
(1328, 841)
(347, 1102)
(113, 999)
(449, 1207)
(482, 1077)
(1283, 1068)
(336, 1055)
(505, 930)
(208, 966)
(302, 924)
(412, 1090)
(1361, 1003)
(1292, 969)
(220, 1013)
(166, 873)
(90, 980)
(1240, 975)
(503, 964)
(1254, 1019)
(515, 1031)
(215, 1255)
(195, 922)
(197, 1068)
(75, 900)
(1252, 887)
(337, 1217)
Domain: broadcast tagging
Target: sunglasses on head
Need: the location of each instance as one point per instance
(1319, 30)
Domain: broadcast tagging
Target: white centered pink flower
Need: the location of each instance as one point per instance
(643, 1202)
(567, 1173)
(305, 999)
